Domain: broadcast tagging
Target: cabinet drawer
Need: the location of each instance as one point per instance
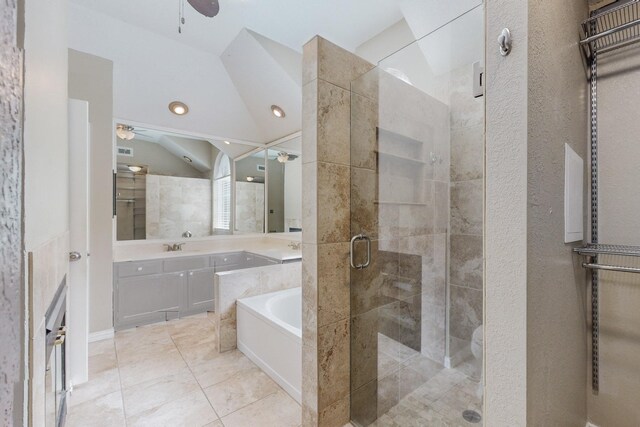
(230, 258)
(184, 264)
(138, 268)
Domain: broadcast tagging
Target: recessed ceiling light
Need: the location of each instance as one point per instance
(178, 108)
(134, 168)
(187, 159)
(227, 142)
(250, 178)
(277, 111)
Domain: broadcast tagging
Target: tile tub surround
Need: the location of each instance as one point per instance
(171, 374)
(328, 71)
(274, 245)
(177, 204)
(231, 286)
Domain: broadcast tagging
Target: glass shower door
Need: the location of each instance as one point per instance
(409, 157)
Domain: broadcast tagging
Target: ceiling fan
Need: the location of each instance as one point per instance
(284, 157)
(208, 8)
(126, 132)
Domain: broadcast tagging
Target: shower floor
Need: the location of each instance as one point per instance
(423, 392)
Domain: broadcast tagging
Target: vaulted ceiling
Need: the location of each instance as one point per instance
(231, 68)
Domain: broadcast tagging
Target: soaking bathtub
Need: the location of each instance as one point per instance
(269, 333)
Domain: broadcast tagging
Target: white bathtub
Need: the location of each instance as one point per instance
(269, 333)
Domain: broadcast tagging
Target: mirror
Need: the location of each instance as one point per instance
(171, 186)
(270, 181)
(250, 193)
(284, 178)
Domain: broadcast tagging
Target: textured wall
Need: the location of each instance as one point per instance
(506, 218)
(11, 243)
(619, 223)
(556, 285)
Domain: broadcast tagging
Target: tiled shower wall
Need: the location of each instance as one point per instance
(326, 107)
(466, 222)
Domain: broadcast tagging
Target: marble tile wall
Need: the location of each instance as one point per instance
(48, 265)
(249, 207)
(233, 285)
(467, 172)
(175, 205)
(328, 71)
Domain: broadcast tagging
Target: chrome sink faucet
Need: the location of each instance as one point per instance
(294, 245)
(175, 247)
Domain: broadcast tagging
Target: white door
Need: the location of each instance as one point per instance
(78, 306)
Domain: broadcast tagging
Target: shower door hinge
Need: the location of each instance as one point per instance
(478, 80)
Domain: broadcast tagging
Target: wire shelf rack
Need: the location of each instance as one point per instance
(611, 29)
(600, 249)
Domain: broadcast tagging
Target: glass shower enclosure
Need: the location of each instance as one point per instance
(417, 150)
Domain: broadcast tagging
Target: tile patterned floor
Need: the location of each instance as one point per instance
(425, 393)
(171, 374)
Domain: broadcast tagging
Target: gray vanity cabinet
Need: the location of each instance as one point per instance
(140, 300)
(200, 296)
(151, 291)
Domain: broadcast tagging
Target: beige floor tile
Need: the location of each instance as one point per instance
(102, 362)
(200, 352)
(276, 410)
(240, 390)
(151, 394)
(106, 411)
(192, 410)
(221, 368)
(155, 333)
(134, 353)
(103, 346)
(157, 366)
(100, 384)
(217, 423)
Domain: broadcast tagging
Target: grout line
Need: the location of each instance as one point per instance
(124, 410)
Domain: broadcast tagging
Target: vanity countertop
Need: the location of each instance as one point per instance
(272, 247)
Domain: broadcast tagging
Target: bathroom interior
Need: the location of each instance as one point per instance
(406, 213)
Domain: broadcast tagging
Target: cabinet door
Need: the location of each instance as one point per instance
(200, 294)
(148, 299)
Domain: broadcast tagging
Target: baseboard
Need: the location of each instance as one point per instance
(101, 335)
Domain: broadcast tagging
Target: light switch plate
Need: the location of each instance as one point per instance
(573, 195)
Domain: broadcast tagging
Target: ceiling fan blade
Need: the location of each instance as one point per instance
(209, 8)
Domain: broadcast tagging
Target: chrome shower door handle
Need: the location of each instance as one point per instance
(354, 239)
(368, 240)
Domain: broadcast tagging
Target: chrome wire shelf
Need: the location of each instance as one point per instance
(599, 249)
(611, 29)
(593, 250)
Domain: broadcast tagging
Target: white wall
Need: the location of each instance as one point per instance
(45, 121)
(150, 71)
(91, 79)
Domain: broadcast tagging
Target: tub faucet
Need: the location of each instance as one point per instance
(294, 245)
(175, 247)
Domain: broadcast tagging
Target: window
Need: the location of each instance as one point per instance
(222, 193)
